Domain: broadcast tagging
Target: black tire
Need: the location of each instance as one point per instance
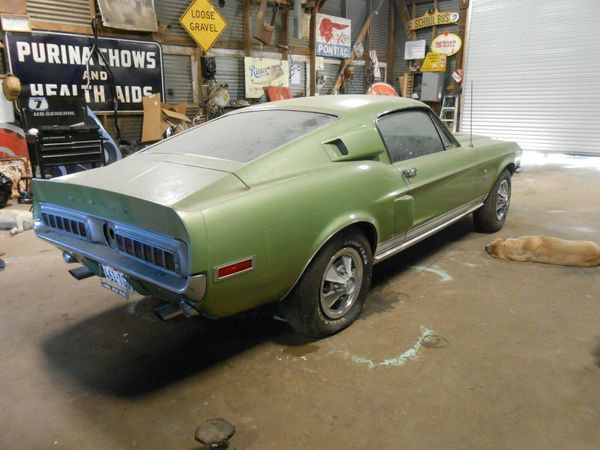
(492, 215)
(305, 308)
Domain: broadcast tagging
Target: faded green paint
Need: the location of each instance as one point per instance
(282, 207)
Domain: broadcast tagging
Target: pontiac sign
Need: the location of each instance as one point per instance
(432, 18)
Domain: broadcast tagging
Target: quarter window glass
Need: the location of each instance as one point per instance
(409, 134)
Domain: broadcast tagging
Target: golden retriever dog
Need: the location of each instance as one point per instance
(547, 250)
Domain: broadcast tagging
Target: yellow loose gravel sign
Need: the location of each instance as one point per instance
(204, 23)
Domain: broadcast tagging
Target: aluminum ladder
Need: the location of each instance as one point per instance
(449, 111)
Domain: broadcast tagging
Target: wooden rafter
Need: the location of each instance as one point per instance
(405, 17)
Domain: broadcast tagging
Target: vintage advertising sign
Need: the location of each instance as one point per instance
(447, 44)
(432, 18)
(55, 64)
(262, 72)
(138, 15)
(204, 23)
(434, 62)
(333, 37)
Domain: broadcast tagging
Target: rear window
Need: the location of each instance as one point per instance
(245, 136)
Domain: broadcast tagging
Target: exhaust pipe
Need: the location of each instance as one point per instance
(168, 312)
(187, 309)
(171, 311)
(69, 258)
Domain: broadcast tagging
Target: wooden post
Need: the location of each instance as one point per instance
(462, 25)
(405, 17)
(247, 30)
(312, 40)
(434, 28)
(391, 45)
(286, 37)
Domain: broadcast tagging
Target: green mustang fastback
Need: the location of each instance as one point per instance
(291, 201)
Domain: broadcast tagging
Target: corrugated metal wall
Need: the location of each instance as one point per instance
(130, 126)
(358, 10)
(333, 7)
(230, 70)
(299, 89)
(73, 12)
(168, 13)
(379, 28)
(179, 81)
(356, 84)
(535, 81)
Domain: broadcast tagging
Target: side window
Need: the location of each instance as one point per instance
(409, 134)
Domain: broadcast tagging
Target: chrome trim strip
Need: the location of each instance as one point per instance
(381, 256)
(415, 231)
(216, 277)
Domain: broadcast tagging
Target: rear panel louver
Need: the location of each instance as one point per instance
(65, 224)
(149, 253)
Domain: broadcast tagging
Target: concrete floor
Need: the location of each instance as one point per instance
(514, 363)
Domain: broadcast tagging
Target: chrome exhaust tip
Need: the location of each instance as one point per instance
(168, 312)
(68, 258)
(187, 309)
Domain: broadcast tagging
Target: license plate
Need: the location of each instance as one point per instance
(115, 281)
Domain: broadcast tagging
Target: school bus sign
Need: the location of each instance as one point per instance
(204, 23)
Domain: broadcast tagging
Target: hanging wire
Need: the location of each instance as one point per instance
(95, 51)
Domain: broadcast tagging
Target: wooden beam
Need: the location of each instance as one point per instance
(360, 38)
(286, 33)
(462, 26)
(312, 39)
(60, 27)
(247, 30)
(391, 45)
(405, 17)
(367, 71)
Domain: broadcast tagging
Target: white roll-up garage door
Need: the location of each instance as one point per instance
(535, 68)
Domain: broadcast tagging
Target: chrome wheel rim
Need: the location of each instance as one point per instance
(502, 200)
(341, 283)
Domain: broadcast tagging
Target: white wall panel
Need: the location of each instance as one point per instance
(535, 70)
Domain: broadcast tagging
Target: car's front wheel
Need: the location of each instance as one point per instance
(492, 215)
(331, 293)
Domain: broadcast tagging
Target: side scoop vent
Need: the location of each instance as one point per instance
(359, 144)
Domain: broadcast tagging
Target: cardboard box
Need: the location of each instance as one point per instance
(160, 116)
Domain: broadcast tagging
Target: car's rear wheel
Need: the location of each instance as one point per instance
(492, 215)
(331, 293)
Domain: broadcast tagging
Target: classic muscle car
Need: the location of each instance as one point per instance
(291, 201)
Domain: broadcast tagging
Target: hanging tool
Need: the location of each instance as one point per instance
(264, 31)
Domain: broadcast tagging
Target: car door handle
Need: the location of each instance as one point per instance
(410, 173)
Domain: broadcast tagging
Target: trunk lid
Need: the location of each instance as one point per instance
(161, 178)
